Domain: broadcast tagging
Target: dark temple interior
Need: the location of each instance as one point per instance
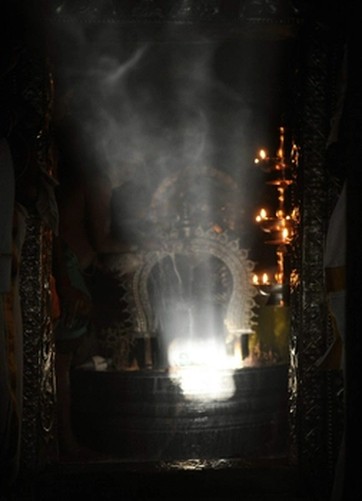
(173, 300)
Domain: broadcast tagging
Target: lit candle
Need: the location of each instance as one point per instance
(261, 216)
(285, 234)
(262, 154)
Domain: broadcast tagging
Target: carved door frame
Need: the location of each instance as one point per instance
(314, 415)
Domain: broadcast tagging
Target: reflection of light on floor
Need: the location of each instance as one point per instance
(201, 464)
(202, 369)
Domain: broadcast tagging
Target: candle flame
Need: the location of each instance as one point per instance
(262, 154)
(262, 279)
(261, 216)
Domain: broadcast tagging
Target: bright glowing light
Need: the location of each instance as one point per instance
(202, 369)
(205, 383)
(262, 154)
(265, 278)
(285, 234)
(261, 216)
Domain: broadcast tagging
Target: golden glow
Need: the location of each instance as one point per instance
(281, 226)
(279, 278)
(262, 279)
(261, 216)
(262, 154)
(265, 279)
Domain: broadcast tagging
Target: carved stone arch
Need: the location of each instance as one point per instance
(240, 309)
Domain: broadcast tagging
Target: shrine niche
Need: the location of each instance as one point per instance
(191, 341)
(246, 69)
(174, 122)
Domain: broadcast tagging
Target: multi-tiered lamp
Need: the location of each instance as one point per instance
(281, 226)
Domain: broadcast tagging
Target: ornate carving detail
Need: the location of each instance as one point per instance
(87, 10)
(31, 298)
(147, 9)
(270, 18)
(47, 358)
(190, 10)
(314, 407)
(309, 390)
(180, 11)
(240, 314)
(269, 9)
(35, 93)
(39, 379)
(39, 375)
(142, 10)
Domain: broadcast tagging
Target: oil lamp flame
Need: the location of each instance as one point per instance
(263, 279)
(262, 154)
(281, 226)
(261, 216)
